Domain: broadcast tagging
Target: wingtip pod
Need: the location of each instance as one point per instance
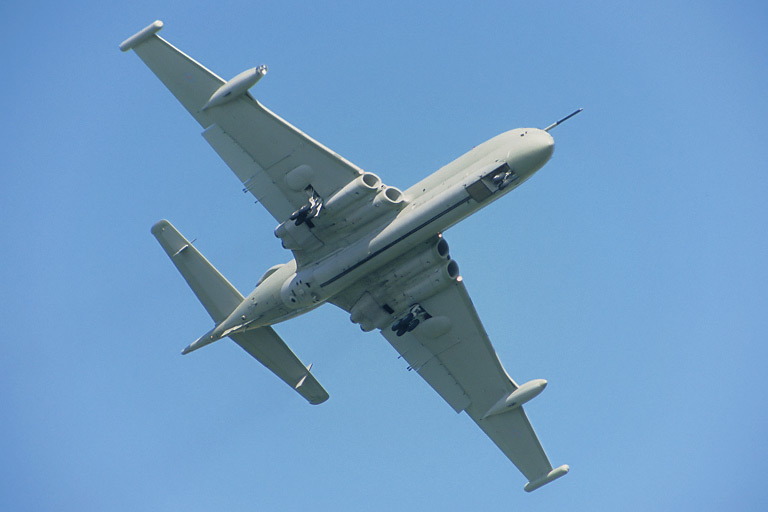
(549, 477)
(141, 36)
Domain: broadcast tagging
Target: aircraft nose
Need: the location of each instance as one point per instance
(538, 148)
(542, 147)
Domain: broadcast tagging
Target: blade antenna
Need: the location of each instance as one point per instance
(562, 120)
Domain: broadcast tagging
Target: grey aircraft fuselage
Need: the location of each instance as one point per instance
(431, 206)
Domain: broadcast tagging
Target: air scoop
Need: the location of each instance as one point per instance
(236, 87)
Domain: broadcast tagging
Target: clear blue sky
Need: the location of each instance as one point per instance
(630, 272)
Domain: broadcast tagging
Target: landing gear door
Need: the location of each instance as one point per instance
(498, 176)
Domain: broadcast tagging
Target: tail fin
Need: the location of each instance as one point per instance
(217, 295)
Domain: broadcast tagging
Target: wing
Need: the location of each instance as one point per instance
(281, 166)
(434, 326)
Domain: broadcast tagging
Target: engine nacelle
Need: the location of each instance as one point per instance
(361, 187)
(368, 313)
(294, 237)
(433, 255)
(428, 283)
(388, 199)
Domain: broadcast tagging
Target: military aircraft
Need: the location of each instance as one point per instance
(371, 249)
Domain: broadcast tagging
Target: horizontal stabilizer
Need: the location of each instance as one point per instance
(266, 345)
(205, 339)
(217, 295)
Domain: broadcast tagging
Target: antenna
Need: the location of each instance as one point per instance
(562, 120)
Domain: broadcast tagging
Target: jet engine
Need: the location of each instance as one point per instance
(388, 199)
(363, 186)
